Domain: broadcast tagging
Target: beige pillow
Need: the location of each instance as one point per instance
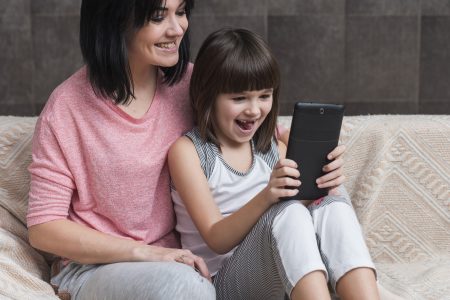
(15, 156)
(23, 271)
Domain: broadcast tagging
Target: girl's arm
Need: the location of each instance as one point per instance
(223, 234)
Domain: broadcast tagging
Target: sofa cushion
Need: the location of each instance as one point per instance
(23, 271)
(15, 156)
(398, 175)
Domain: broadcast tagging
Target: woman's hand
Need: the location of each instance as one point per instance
(283, 181)
(183, 256)
(334, 176)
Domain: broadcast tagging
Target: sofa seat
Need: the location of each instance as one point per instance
(398, 175)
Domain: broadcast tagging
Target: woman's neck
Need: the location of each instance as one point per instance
(144, 85)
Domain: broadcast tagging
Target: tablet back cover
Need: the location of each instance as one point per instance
(314, 134)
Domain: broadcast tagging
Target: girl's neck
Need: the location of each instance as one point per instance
(238, 156)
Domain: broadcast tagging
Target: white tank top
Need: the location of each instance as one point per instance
(230, 189)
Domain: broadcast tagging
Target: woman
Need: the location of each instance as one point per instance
(99, 178)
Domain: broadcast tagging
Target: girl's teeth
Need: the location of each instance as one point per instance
(246, 125)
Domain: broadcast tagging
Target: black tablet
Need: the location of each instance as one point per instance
(314, 134)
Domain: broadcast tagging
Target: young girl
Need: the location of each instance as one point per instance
(229, 174)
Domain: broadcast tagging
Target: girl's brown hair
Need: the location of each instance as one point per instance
(233, 60)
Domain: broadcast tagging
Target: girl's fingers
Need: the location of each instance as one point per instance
(285, 167)
(285, 181)
(333, 182)
(285, 172)
(335, 164)
(325, 179)
(286, 163)
(338, 151)
(287, 192)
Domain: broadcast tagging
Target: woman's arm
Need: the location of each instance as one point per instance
(89, 246)
(223, 234)
(83, 244)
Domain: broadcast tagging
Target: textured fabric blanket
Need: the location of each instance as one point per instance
(398, 175)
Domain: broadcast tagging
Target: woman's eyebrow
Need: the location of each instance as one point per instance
(163, 8)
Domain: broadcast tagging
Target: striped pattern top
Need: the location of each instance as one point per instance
(230, 189)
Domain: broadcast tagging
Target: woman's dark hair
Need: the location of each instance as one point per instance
(105, 26)
(233, 60)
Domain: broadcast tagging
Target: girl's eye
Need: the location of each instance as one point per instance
(238, 98)
(266, 96)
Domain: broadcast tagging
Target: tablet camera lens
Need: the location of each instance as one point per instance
(322, 110)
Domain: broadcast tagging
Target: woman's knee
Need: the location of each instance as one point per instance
(147, 280)
(189, 284)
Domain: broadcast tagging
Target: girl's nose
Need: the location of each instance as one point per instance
(252, 108)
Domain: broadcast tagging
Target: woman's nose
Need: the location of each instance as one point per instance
(175, 26)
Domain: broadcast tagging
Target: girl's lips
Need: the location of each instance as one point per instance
(245, 126)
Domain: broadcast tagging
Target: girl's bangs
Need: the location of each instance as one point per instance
(249, 72)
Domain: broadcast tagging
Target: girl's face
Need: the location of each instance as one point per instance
(157, 42)
(237, 116)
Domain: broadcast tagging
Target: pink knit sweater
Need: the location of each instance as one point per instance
(96, 165)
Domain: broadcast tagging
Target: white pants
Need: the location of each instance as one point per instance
(325, 236)
(290, 241)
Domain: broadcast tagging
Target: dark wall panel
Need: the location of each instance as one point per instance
(382, 59)
(16, 58)
(56, 53)
(310, 51)
(375, 56)
(435, 65)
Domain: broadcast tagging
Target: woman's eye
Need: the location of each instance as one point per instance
(239, 98)
(181, 12)
(266, 96)
(157, 17)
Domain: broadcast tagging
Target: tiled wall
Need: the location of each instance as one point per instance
(375, 56)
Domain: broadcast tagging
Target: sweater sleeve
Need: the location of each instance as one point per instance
(52, 183)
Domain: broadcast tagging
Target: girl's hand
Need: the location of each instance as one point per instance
(335, 173)
(183, 256)
(284, 175)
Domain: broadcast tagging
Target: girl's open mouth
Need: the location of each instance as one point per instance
(245, 125)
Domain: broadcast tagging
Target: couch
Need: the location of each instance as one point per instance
(398, 174)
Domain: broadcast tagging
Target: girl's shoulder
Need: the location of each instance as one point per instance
(193, 140)
(272, 156)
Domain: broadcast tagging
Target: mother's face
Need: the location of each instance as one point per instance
(157, 42)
